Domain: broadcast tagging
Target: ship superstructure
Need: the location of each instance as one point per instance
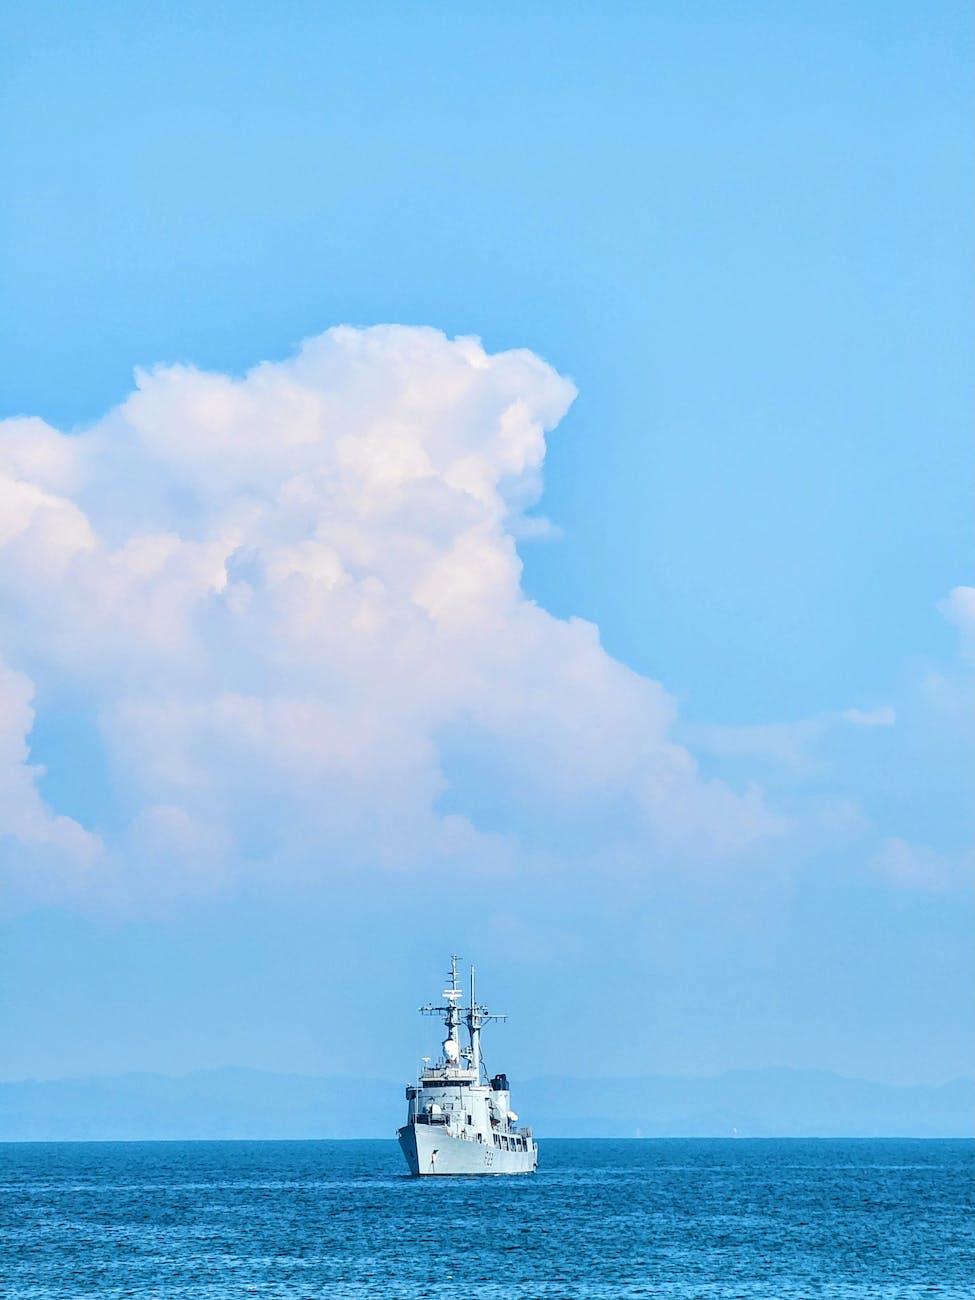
(459, 1121)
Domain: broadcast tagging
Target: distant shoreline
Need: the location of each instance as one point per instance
(254, 1105)
(391, 1142)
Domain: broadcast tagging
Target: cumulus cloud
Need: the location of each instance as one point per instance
(26, 823)
(280, 592)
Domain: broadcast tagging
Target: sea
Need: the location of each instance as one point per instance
(602, 1218)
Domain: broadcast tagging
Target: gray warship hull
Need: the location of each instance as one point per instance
(432, 1153)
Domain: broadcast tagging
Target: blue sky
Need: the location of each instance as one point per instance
(743, 233)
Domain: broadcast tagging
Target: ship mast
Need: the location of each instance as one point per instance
(450, 1013)
(477, 1017)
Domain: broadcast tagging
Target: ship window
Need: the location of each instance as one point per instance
(470, 1120)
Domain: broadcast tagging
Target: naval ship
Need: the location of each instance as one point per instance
(459, 1121)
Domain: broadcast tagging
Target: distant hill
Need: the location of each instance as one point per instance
(748, 1103)
(238, 1103)
(228, 1103)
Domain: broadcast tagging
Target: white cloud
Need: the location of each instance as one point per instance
(26, 823)
(280, 591)
(959, 609)
(880, 717)
(787, 743)
(906, 865)
(948, 694)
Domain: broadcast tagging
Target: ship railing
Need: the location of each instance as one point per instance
(523, 1132)
(422, 1118)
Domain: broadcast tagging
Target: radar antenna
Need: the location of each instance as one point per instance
(450, 1013)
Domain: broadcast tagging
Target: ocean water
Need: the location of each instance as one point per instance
(656, 1218)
